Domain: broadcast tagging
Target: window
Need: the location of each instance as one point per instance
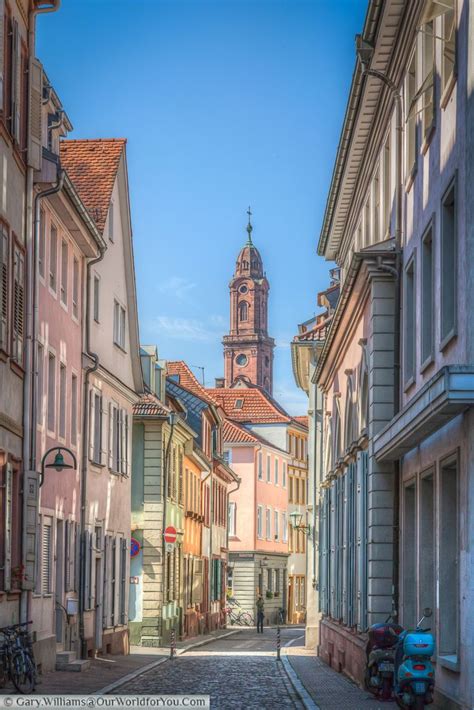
(284, 527)
(40, 384)
(276, 472)
(62, 401)
(64, 260)
(448, 44)
(387, 195)
(73, 410)
(367, 225)
(96, 427)
(118, 448)
(427, 543)
(283, 477)
(119, 325)
(410, 118)
(239, 403)
(290, 492)
(4, 286)
(376, 204)
(409, 556)
(427, 297)
(269, 469)
(51, 391)
(268, 524)
(448, 266)
(427, 87)
(260, 522)
(46, 556)
(232, 518)
(276, 525)
(449, 554)
(410, 315)
(75, 288)
(227, 456)
(269, 580)
(243, 311)
(53, 257)
(18, 324)
(96, 298)
(111, 221)
(42, 244)
(260, 466)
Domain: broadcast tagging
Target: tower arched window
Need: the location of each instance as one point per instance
(243, 311)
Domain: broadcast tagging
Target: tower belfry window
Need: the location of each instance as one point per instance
(243, 310)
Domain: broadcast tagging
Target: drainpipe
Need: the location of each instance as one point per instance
(397, 275)
(85, 442)
(239, 481)
(29, 375)
(172, 421)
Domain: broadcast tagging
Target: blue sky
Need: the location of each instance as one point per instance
(224, 103)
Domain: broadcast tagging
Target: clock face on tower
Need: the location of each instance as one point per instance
(243, 289)
(241, 360)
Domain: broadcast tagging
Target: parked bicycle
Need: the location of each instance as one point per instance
(281, 616)
(17, 661)
(238, 616)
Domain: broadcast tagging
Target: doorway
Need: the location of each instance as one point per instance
(60, 583)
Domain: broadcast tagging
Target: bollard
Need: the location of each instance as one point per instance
(278, 643)
(172, 644)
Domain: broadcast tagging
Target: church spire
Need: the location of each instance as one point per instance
(249, 228)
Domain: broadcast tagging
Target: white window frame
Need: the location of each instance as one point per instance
(120, 324)
(260, 522)
(268, 523)
(64, 260)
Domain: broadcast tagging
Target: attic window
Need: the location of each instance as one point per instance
(174, 378)
(239, 403)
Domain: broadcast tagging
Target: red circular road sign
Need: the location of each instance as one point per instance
(134, 547)
(170, 534)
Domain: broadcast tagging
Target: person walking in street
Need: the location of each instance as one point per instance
(260, 614)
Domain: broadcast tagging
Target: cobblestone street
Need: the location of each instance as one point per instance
(237, 672)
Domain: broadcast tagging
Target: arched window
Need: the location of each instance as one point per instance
(243, 310)
(363, 392)
(245, 264)
(350, 417)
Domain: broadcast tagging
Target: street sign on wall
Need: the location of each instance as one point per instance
(134, 547)
(170, 534)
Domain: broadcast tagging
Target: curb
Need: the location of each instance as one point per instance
(179, 652)
(305, 697)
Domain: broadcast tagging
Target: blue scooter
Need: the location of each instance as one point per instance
(414, 672)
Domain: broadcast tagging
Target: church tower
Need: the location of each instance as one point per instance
(248, 350)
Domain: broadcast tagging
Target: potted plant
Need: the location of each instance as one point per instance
(269, 594)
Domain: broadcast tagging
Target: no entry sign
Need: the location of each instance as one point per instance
(170, 534)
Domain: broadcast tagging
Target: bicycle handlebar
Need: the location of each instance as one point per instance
(12, 627)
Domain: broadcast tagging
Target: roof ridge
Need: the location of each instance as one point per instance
(93, 140)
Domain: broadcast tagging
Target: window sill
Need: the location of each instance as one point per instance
(426, 363)
(409, 383)
(447, 340)
(64, 306)
(451, 662)
(448, 90)
(3, 355)
(120, 347)
(97, 464)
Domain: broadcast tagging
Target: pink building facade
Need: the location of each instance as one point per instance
(258, 521)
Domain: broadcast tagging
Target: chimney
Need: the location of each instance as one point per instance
(220, 382)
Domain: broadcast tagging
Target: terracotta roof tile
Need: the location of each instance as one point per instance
(253, 405)
(92, 166)
(301, 420)
(235, 434)
(149, 405)
(183, 375)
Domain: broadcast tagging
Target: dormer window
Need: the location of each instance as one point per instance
(239, 403)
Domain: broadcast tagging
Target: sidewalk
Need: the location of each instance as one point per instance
(108, 672)
(328, 689)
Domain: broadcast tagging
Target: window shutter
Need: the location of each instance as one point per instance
(15, 78)
(18, 304)
(111, 436)
(127, 448)
(123, 582)
(123, 442)
(91, 604)
(116, 581)
(46, 559)
(7, 573)
(35, 76)
(2, 49)
(67, 568)
(91, 424)
(77, 556)
(103, 432)
(105, 594)
(3, 287)
(87, 567)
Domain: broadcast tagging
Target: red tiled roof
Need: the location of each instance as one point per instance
(302, 420)
(92, 166)
(257, 406)
(235, 434)
(185, 377)
(149, 406)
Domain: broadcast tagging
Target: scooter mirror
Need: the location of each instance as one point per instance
(427, 612)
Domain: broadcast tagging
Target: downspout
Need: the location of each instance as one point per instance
(165, 496)
(396, 272)
(238, 481)
(29, 385)
(85, 443)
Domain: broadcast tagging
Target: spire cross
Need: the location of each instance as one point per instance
(249, 226)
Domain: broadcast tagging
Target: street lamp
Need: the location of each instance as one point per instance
(296, 520)
(59, 463)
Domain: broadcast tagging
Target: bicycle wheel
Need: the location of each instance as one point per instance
(23, 672)
(246, 619)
